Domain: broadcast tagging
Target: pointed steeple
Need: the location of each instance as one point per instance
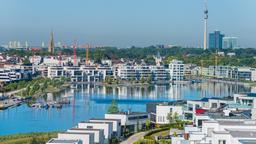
(51, 44)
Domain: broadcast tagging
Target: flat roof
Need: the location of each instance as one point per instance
(95, 122)
(103, 119)
(129, 113)
(247, 141)
(64, 141)
(243, 134)
(85, 129)
(244, 123)
(82, 133)
(220, 115)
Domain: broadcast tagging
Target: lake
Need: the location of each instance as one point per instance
(92, 101)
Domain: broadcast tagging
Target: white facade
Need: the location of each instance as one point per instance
(106, 126)
(55, 72)
(86, 138)
(63, 141)
(130, 119)
(226, 131)
(162, 112)
(127, 72)
(9, 75)
(116, 125)
(98, 134)
(176, 69)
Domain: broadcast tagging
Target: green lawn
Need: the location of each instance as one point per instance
(29, 138)
(161, 133)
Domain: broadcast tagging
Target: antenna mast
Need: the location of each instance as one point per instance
(205, 24)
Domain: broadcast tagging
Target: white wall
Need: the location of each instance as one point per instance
(162, 112)
(98, 135)
(86, 138)
(116, 125)
(107, 127)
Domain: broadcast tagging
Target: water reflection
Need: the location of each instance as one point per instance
(161, 92)
(92, 101)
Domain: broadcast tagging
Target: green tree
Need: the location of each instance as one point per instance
(148, 123)
(170, 117)
(26, 61)
(175, 117)
(149, 79)
(113, 108)
(142, 80)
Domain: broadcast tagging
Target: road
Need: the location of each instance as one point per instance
(132, 139)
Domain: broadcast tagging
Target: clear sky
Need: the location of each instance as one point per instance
(125, 22)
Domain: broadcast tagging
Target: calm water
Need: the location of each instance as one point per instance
(89, 101)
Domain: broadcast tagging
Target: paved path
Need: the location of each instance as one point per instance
(132, 139)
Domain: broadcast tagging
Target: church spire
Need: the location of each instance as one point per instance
(51, 44)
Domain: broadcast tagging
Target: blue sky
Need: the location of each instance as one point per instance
(125, 22)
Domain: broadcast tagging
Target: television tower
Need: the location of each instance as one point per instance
(205, 25)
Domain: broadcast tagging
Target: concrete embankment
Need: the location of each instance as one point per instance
(229, 82)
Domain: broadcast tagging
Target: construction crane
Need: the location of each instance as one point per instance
(75, 58)
(215, 64)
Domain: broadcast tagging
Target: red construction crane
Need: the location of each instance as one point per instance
(75, 58)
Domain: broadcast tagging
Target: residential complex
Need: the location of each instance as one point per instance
(214, 121)
(101, 131)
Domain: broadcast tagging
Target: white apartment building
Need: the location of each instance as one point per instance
(176, 69)
(127, 72)
(231, 136)
(55, 72)
(130, 120)
(245, 99)
(116, 125)
(74, 73)
(9, 75)
(107, 127)
(159, 73)
(86, 138)
(222, 131)
(210, 104)
(64, 141)
(160, 111)
(98, 133)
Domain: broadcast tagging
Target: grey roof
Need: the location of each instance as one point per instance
(247, 141)
(243, 134)
(130, 113)
(240, 123)
(62, 141)
(104, 119)
(96, 122)
(220, 115)
(86, 129)
(82, 133)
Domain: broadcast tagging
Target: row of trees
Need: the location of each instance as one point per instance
(41, 85)
(244, 57)
(142, 80)
(36, 85)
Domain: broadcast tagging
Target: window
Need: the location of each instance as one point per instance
(89, 127)
(222, 141)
